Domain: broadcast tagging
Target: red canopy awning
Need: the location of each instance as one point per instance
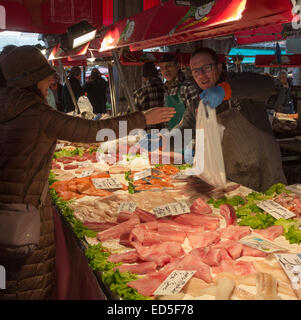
(262, 34)
(287, 61)
(168, 24)
(53, 16)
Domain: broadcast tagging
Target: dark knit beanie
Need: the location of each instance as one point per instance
(25, 66)
(149, 70)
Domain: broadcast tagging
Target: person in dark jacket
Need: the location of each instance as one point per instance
(57, 90)
(151, 93)
(77, 89)
(96, 88)
(180, 90)
(284, 102)
(251, 154)
(29, 131)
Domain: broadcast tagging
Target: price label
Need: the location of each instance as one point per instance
(261, 244)
(59, 146)
(127, 206)
(84, 164)
(174, 283)
(296, 188)
(106, 183)
(172, 209)
(86, 173)
(142, 174)
(291, 264)
(275, 209)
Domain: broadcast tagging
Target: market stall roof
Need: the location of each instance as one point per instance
(262, 34)
(52, 16)
(168, 24)
(287, 61)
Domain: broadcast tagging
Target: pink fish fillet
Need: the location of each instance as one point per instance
(170, 225)
(200, 206)
(161, 253)
(145, 216)
(192, 262)
(238, 267)
(252, 252)
(202, 239)
(210, 256)
(235, 232)
(270, 233)
(148, 284)
(234, 248)
(207, 221)
(140, 268)
(127, 257)
(228, 213)
(116, 231)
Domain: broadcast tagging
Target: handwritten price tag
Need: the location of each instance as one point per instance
(261, 244)
(174, 283)
(275, 209)
(172, 209)
(59, 146)
(86, 173)
(291, 264)
(127, 206)
(142, 174)
(106, 183)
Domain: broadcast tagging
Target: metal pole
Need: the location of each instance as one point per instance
(69, 87)
(112, 89)
(128, 95)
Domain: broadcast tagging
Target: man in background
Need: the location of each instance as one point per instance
(180, 92)
(151, 93)
(74, 80)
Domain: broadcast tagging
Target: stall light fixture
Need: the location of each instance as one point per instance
(80, 34)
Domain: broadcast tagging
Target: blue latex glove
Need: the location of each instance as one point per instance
(213, 96)
(151, 142)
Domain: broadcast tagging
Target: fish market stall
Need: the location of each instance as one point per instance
(140, 224)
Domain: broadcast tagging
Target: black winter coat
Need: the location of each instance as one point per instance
(78, 91)
(96, 92)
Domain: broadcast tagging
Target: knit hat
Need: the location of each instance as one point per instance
(25, 66)
(149, 70)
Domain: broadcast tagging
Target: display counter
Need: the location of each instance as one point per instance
(133, 235)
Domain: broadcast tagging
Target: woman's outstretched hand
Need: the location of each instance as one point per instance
(159, 114)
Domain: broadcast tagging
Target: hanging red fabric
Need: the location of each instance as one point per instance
(147, 4)
(107, 12)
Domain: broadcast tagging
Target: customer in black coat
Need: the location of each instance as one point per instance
(96, 88)
(77, 89)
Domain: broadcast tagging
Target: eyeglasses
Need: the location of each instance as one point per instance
(203, 69)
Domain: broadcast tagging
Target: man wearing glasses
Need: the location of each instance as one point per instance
(180, 92)
(251, 154)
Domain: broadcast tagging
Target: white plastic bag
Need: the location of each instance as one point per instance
(85, 107)
(208, 162)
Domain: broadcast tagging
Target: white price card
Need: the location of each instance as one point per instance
(261, 244)
(172, 209)
(86, 173)
(84, 164)
(275, 209)
(296, 188)
(127, 207)
(291, 264)
(59, 146)
(174, 283)
(106, 183)
(140, 175)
